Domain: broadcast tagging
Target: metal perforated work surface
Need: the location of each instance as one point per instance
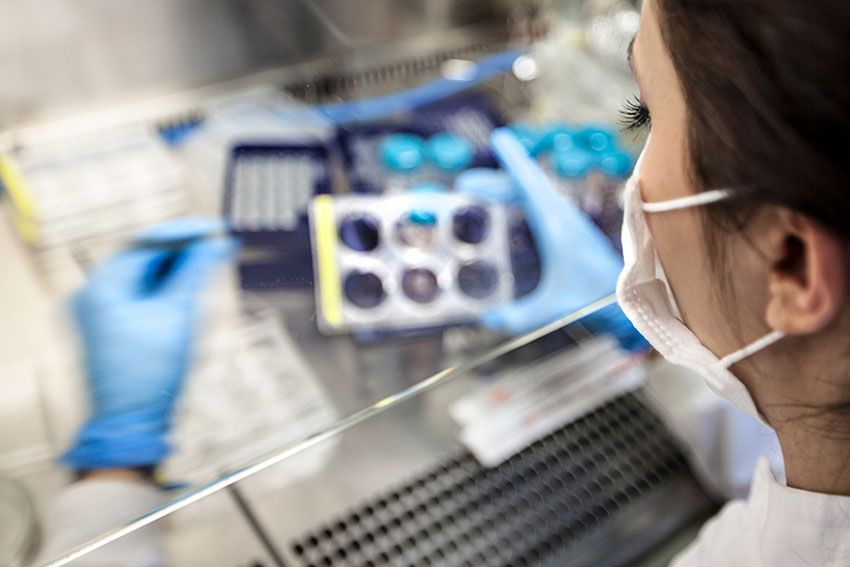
(528, 511)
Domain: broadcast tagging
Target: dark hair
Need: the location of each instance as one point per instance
(767, 88)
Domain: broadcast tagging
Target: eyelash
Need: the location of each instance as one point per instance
(634, 115)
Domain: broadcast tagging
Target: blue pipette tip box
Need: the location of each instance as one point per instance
(268, 188)
(468, 115)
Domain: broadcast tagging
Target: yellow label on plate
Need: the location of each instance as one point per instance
(22, 198)
(330, 285)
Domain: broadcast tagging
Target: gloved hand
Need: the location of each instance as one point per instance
(579, 265)
(136, 317)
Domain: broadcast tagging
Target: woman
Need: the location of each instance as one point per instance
(741, 199)
(743, 194)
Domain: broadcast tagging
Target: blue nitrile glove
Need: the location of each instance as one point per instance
(136, 317)
(579, 265)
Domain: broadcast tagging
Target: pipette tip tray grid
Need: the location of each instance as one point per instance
(268, 191)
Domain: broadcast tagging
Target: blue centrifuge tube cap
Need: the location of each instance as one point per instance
(558, 137)
(616, 164)
(402, 152)
(597, 138)
(450, 151)
(423, 218)
(572, 164)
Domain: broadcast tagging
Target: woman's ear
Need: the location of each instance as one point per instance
(807, 284)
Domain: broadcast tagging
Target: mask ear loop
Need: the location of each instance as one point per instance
(751, 349)
(704, 198)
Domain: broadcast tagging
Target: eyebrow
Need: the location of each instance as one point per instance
(630, 53)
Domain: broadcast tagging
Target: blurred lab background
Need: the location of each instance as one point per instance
(331, 136)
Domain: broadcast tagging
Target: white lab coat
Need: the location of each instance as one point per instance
(89, 508)
(777, 526)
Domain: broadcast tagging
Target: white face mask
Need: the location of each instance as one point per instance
(645, 296)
